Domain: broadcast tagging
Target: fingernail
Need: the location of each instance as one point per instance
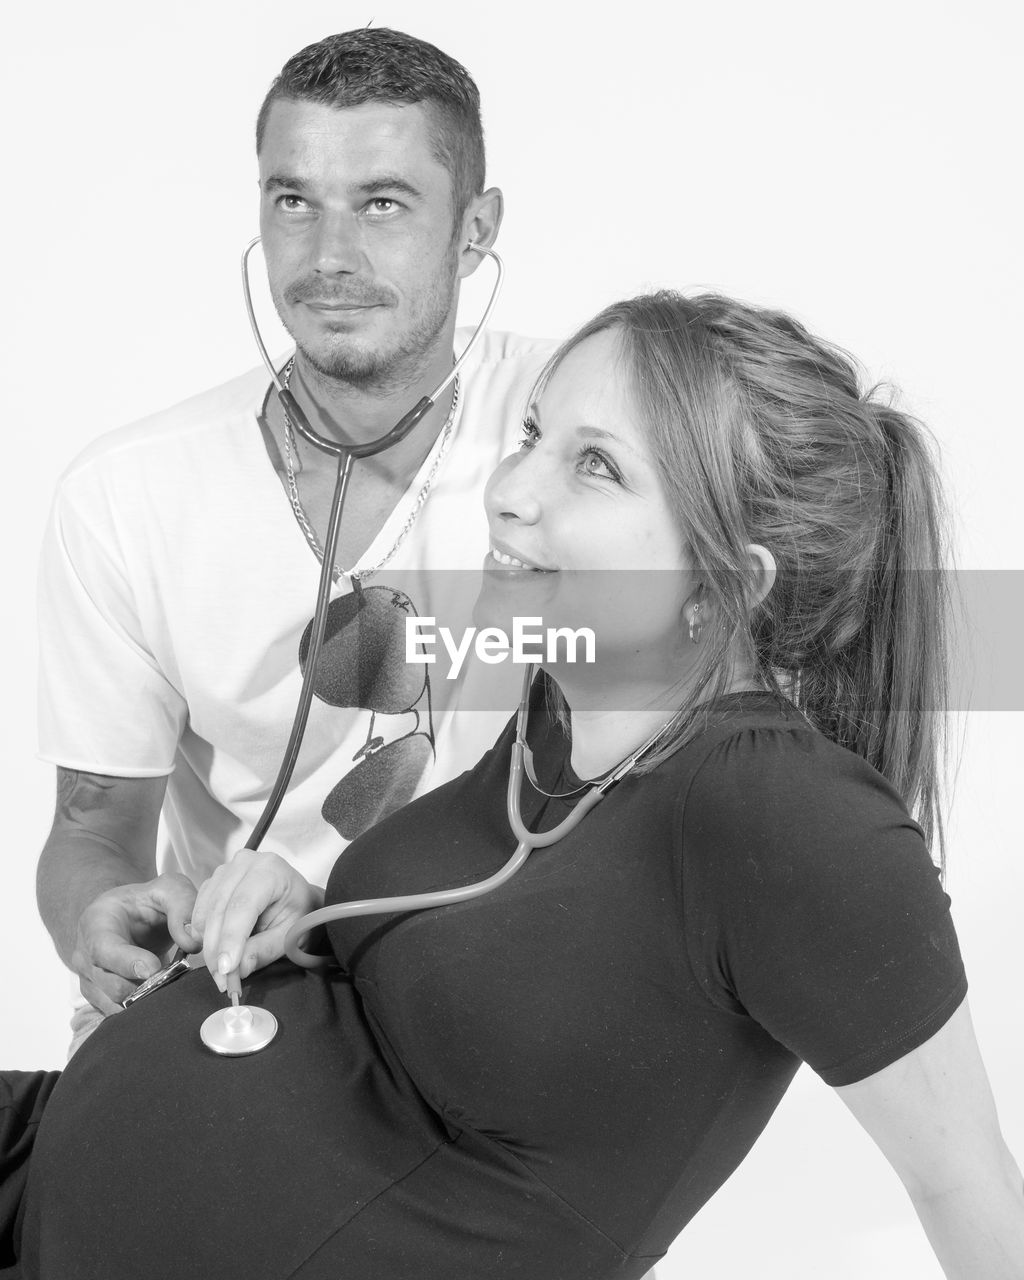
(142, 970)
(187, 926)
(224, 964)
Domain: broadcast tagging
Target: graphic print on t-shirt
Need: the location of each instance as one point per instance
(362, 664)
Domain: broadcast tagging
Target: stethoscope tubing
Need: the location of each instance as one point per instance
(346, 455)
(405, 424)
(319, 627)
(528, 841)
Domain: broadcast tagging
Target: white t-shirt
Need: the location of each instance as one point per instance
(176, 584)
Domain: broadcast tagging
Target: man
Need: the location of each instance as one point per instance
(179, 571)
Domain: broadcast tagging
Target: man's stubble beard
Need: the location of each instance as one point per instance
(400, 366)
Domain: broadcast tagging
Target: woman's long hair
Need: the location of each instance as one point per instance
(762, 435)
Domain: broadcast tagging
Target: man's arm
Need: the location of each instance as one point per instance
(110, 915)
(933, 1117)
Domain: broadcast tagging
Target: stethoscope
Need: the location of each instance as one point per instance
(522, 762)
(245, 1029)
(346, 454)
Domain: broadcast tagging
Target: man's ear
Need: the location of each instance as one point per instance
(480, 225)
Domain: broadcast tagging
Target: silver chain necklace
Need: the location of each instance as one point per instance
(291, 452)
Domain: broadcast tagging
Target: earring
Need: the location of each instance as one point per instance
(696, 626)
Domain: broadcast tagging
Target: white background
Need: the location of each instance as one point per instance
(857, 165)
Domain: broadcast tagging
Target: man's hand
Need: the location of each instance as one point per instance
(123, 935)
(108, 912)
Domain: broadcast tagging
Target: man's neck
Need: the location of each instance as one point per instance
(353, 414)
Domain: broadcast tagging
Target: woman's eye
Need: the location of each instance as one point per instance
(592, 462)
(530, 436)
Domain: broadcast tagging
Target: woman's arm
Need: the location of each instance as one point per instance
(245, 909)
(934, 1118)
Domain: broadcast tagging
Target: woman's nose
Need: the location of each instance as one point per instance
(514, 491)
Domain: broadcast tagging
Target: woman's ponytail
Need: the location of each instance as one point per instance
(904, 683)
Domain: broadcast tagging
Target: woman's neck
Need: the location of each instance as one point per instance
(602, 739)
(610, 721)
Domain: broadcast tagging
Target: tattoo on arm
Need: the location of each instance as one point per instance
(78, 793)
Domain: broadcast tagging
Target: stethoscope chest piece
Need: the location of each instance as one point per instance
(236, 1031)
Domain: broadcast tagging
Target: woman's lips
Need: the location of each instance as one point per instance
(508, 561)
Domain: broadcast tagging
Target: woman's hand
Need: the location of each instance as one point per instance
(245, 909)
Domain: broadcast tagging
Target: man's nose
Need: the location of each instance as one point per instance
(339, 247)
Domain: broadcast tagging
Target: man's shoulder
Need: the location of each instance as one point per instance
(169, 430)
(500, 349)
(499, 379)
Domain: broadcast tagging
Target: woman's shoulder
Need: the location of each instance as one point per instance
(763, 778)
(809, 899)
(758, 740)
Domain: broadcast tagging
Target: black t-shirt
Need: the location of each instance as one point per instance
(545, 1082)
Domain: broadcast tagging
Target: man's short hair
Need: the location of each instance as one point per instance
(375, 64)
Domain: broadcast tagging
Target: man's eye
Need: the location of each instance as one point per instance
(382, 204)
(291, 203)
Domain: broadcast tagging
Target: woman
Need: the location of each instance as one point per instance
(550, 1080)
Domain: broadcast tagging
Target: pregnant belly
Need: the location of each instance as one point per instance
(158, 1158)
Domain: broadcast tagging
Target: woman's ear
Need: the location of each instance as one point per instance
(763, 570)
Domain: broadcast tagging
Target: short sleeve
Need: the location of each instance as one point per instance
(104, 704)
(813, 905)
